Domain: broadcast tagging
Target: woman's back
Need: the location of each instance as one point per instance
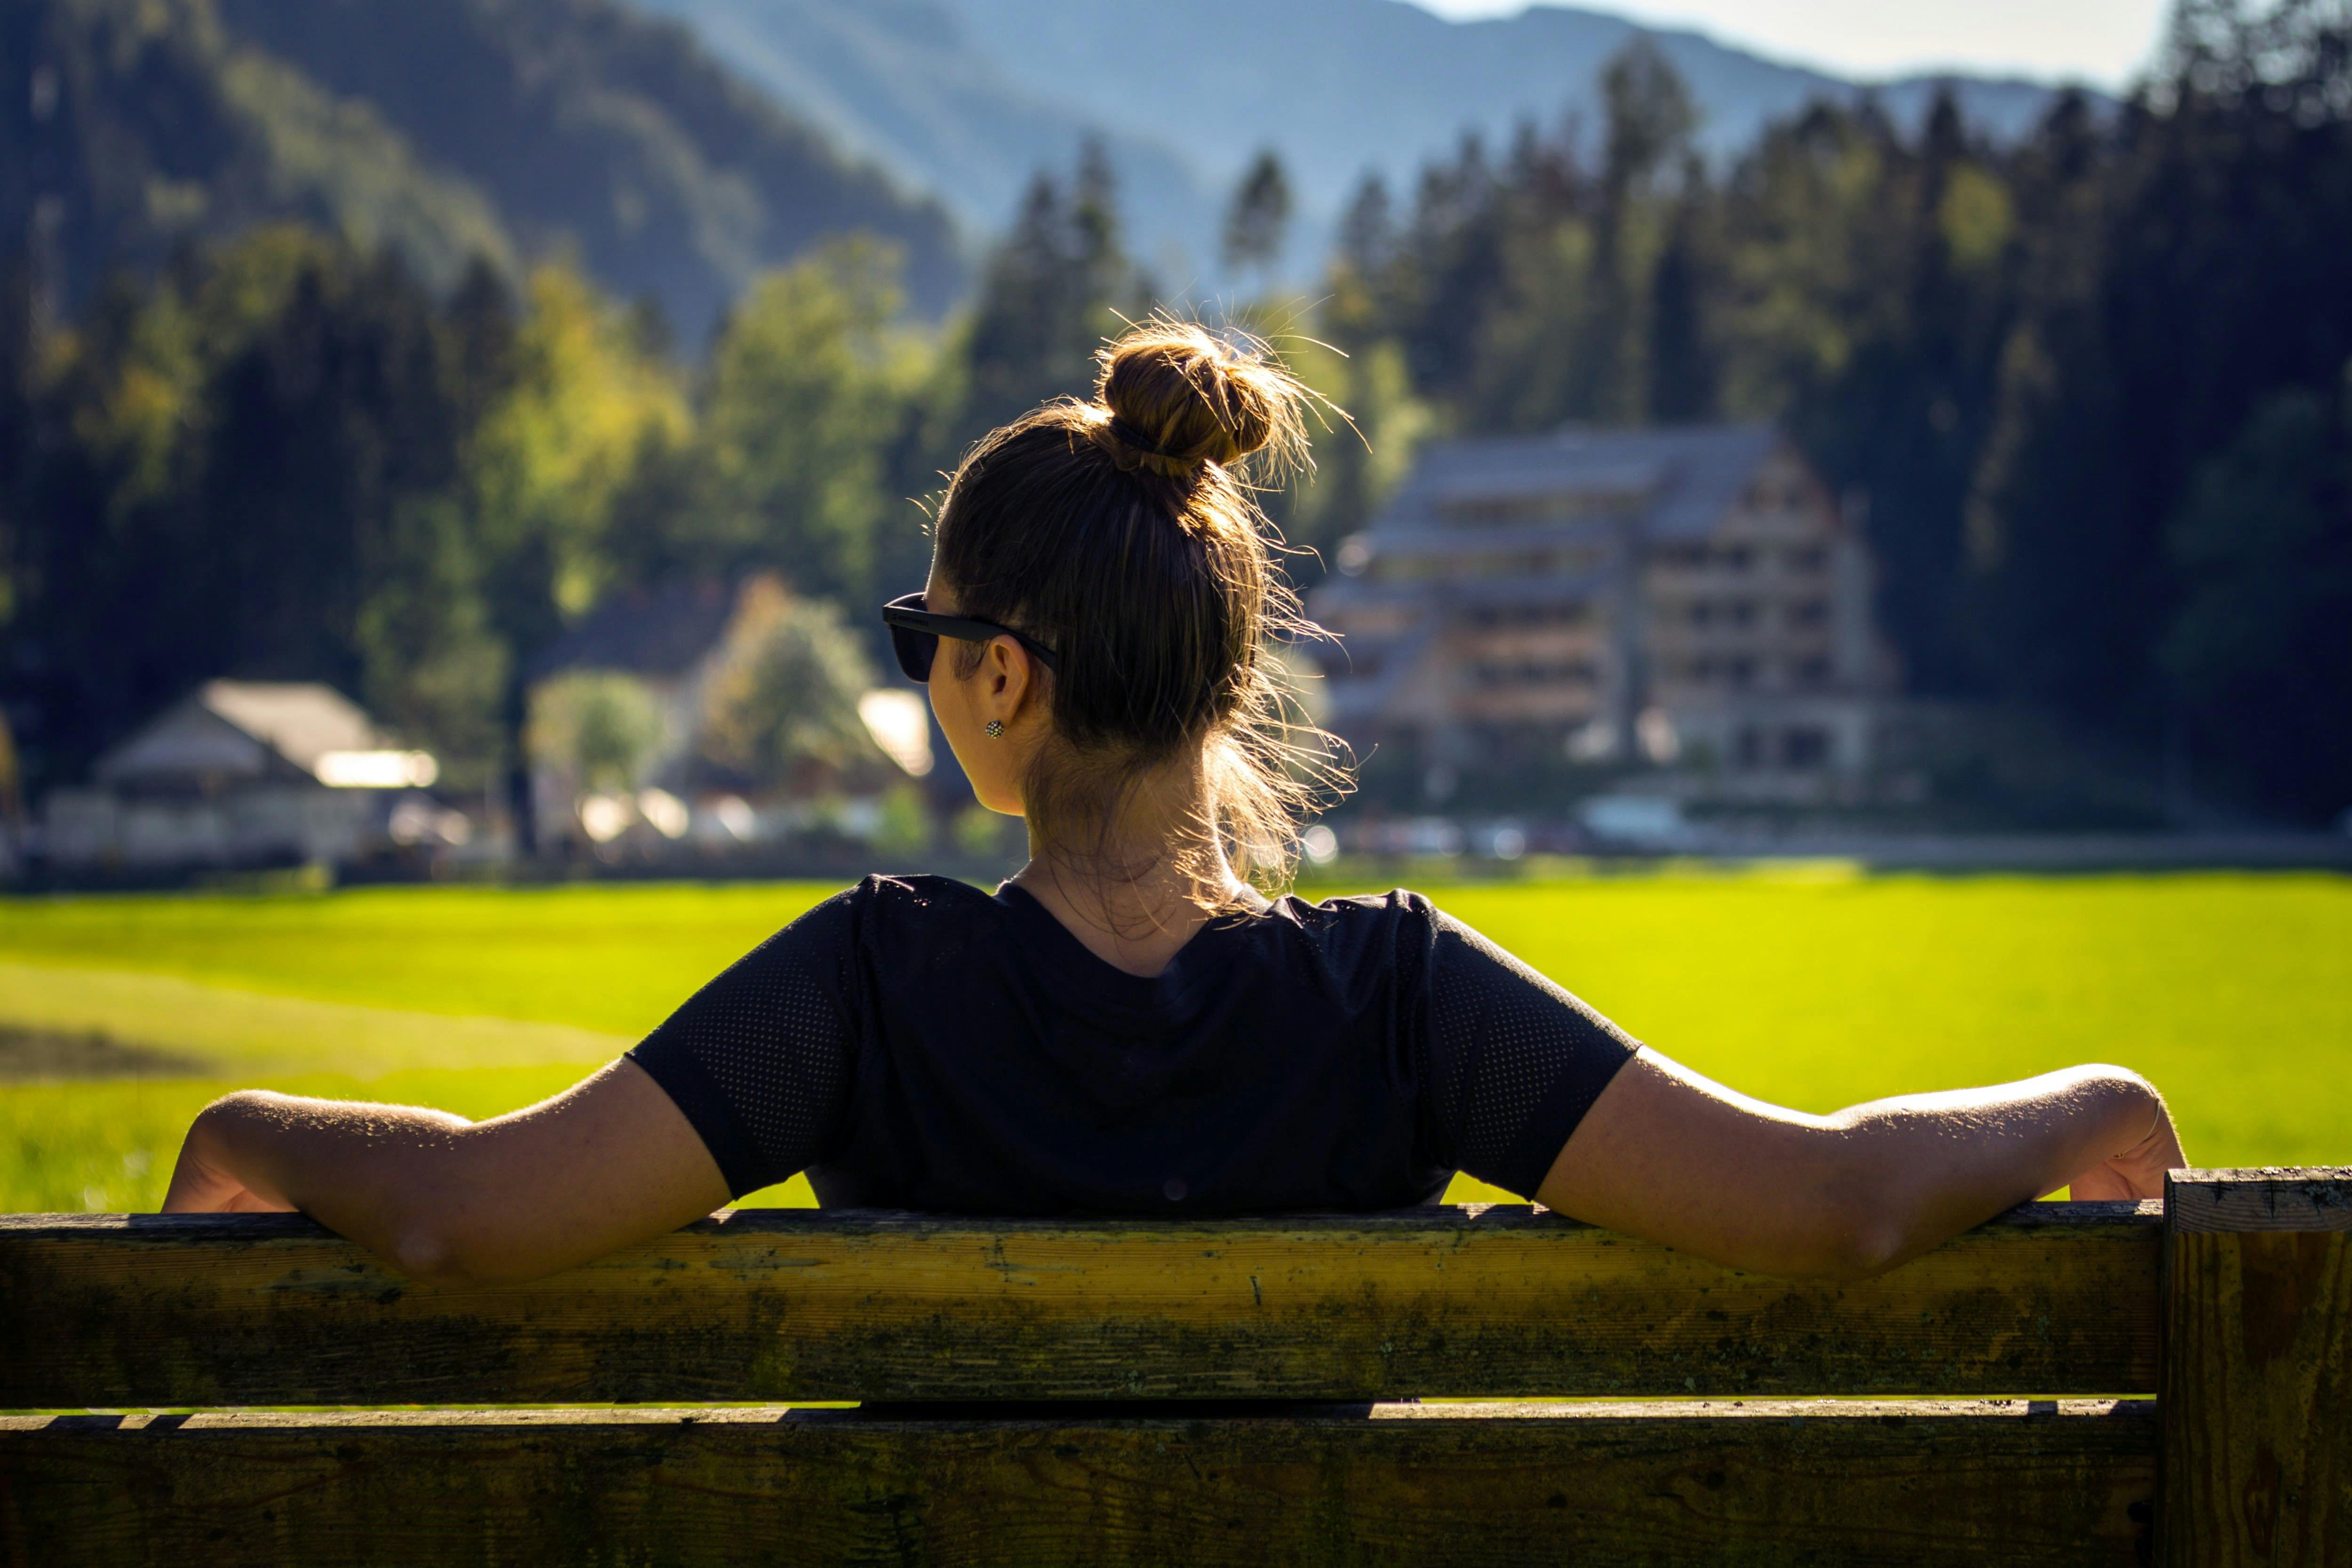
(918, 1043)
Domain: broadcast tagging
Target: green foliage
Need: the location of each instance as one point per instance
(583, 407)
(1257, 220)
(811, 386)
(979, 831)
(1650, 118)
(1359, 458)
(243, 470)
(432, 668)
(906, 828)
(782, 708)
(1054, 291)
(598, 729)
(2262, 640)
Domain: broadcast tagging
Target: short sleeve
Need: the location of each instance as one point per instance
(760, 1059)
(1514, 1061)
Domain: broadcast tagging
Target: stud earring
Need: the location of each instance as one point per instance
(993, 728)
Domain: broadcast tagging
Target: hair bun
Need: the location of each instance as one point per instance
(1177, 396)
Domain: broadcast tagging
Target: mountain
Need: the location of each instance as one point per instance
(1338, 87)
(588, 123)
(968, 97)
(133, 128)
(448, 128)
(907, 83)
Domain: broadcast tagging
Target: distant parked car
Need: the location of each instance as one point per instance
(1635, 821)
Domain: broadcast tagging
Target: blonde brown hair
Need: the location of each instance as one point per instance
(1124, 533)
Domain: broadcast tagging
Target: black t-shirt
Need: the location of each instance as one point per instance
(916, 1043)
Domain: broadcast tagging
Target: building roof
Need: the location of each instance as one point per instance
(232, 729)
(1678, 481)
(659, 632)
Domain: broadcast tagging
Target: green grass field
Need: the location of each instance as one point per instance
(1813, 987)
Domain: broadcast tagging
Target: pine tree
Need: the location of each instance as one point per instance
(1054, 291)
(1257, 218)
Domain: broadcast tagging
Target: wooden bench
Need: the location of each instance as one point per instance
(1095, 1392)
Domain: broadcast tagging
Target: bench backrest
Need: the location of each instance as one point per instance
(2232, 1302)
(1499, 1303)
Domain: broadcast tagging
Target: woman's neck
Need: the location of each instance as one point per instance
(1137, 894)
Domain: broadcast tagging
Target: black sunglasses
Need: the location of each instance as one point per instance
(915, 634)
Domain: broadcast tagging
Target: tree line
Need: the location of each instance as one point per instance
(2091, 388)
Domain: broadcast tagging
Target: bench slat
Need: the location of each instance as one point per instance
(1852, 1483)
(1498, 1303)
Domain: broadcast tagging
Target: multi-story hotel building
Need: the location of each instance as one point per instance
(1691, 596)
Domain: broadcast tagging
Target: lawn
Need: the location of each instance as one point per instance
(1813, 987)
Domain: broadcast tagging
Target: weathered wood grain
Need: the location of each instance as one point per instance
(1916, 1485)
(2257, 1374)
(2310, 1198)
(1503, 1302)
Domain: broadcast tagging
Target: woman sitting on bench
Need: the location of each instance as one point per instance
(1128, 1027)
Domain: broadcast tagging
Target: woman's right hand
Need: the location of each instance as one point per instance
(2137, 1171)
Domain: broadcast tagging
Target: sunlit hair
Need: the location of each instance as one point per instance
(1125, 533)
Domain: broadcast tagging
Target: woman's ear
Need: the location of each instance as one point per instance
(1009, 679)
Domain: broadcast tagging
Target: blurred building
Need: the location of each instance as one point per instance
(1690, 595)
(242, 773)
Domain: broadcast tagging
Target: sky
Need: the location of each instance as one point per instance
(2103, 42)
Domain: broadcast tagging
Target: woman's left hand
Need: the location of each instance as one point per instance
(2137, 1171)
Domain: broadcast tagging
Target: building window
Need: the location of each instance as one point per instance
(1808, 612)
(1813, 671)
(1502, 674)
(1809, 558)
(1491, 616)
(1741, 672)
(1701, 613)
(1747, 748)
(1743, 613)
(1738, 557)
(1805, 748)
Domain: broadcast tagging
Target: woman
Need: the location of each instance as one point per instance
(1128, 1027)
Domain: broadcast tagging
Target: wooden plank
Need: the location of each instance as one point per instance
(1850, 1483)
(2258, 1368)
(2232, 1203)
(1499, 1303)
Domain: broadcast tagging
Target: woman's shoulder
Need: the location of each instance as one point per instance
(1362, 923)
(886, 900)
(918, 890)
(1356, 908)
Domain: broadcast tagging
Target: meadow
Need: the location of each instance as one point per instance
(119, 1017)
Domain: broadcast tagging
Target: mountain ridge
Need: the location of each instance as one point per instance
(511, 129)
(1337, 87)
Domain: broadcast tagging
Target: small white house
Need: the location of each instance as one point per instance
(237, 773)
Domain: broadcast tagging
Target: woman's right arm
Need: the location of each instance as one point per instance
(1670, 1155)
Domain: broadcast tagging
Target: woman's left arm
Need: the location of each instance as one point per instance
(1675, 1157)
(610, 1161)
